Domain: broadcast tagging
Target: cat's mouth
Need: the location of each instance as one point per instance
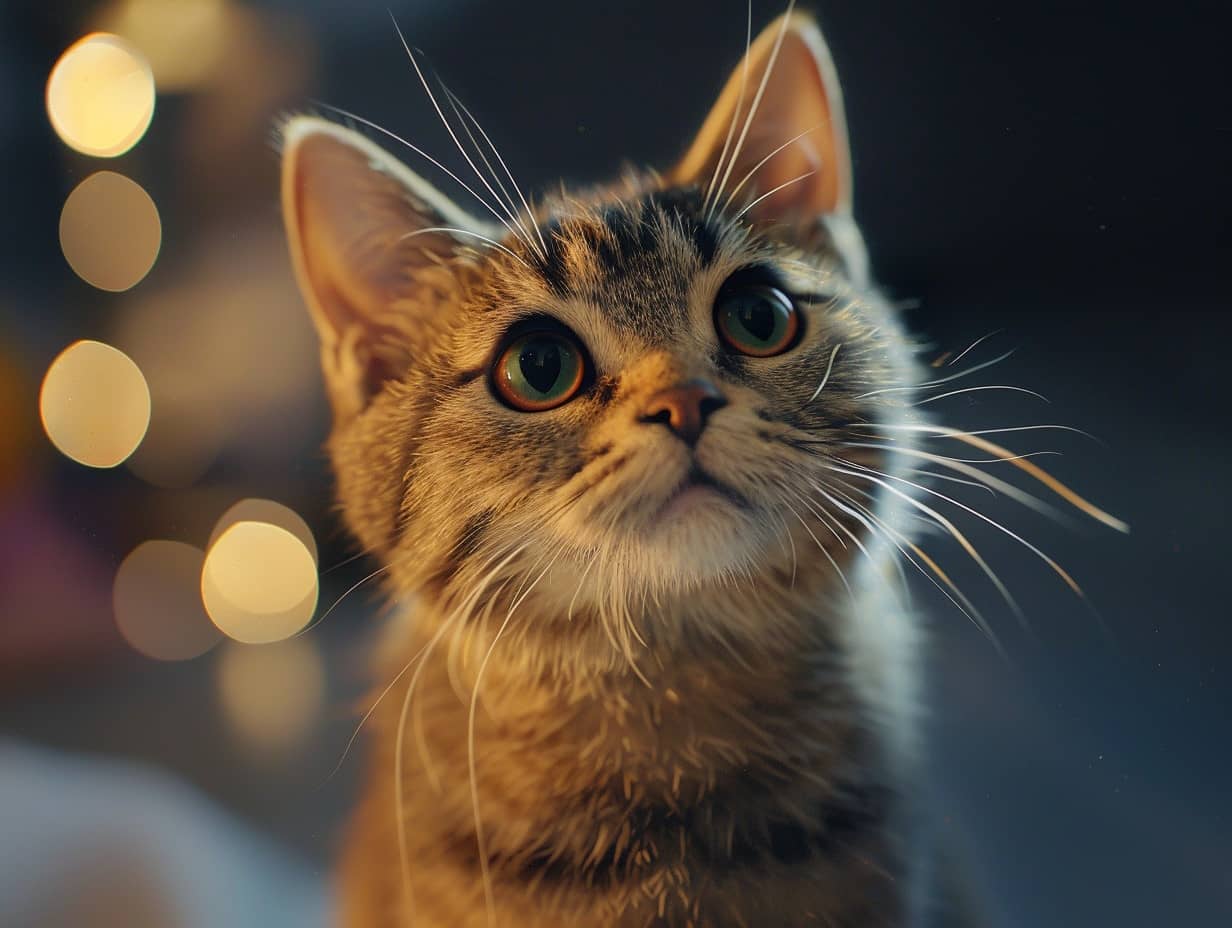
(697, 488)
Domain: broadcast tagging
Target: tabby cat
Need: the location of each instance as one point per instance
(635, 460)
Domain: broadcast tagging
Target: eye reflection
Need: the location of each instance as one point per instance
(539, 371)
(756, 319)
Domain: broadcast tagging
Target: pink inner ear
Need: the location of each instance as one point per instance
(372, 283)
(801, 99)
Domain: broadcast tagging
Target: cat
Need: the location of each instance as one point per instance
(637, 460)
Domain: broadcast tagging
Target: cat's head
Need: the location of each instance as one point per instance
(644, 379)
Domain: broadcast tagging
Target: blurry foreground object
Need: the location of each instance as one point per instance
(100, 843)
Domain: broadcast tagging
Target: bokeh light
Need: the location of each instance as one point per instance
(185, 41)
(270, 512)
(100, 96)
(110, 231)
(259, 583)
(272, 695)
(95, 404)
(157, 601)
(255, 397)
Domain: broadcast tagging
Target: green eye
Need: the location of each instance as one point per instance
(756, 319)
(538, 371)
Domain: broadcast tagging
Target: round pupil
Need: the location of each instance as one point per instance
(541, 361)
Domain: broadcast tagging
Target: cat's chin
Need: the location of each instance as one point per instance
(699, 534)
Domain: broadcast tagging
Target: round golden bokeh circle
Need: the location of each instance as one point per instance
(100, 95)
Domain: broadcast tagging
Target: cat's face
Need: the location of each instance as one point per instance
(648, 378)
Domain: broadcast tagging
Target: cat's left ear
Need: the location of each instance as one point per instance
(799, 108)
(371, 243)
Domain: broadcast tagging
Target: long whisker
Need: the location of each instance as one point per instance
(423, 154)
(757, 167)
(470, 745)
(371, 709)
(897, 539)
(761, 89)
(975, 344)
(938, 382)
(945, 523)
(581, 581)
(822, 548)
(355, 586)
(1001, 431)
(482, 238)
(731, 127)
(950, 590)
(962, 467)
(457, 106)
(1028, 467)
(530, 214)
(770, 193)
(453, 135)
(826, 378)
(399, 805)
(947, 395)
(1047, 479)
(1057, 568)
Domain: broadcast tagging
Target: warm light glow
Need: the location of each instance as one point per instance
(272, 694)
(259, 583)
(100, 96)
(95, 404)
(185, 41)
(110, 232)
(157, 601)
(270, 512)
(214, 389)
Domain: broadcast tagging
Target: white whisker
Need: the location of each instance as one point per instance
(947, 395)
(748, 122)
(456, 105)
(936, 383)
(826, 378)
(470, 744)
(757, 167)
(423, 154)
(530, 214)
(1060, 571)
(770, 193)
(731, 127)
(875, 476)
(453, 135)
(467, 232)
(979, 341)
(897, 539)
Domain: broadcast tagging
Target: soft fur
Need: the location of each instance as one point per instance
(601, 716)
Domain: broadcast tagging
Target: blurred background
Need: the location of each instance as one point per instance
(1053, 176)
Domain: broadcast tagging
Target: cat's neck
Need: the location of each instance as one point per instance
(756, 672)
(706, 758)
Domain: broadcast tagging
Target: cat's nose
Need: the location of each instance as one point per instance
(685, 407)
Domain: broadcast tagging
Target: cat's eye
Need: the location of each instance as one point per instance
(756, 319)
(539, 370)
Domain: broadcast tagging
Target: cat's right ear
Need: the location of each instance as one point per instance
(370, 245)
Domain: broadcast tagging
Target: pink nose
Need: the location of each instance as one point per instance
(684, 408)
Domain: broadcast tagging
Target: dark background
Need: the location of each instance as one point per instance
(1055, 173)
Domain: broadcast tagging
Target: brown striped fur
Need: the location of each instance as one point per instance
(704, 722)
